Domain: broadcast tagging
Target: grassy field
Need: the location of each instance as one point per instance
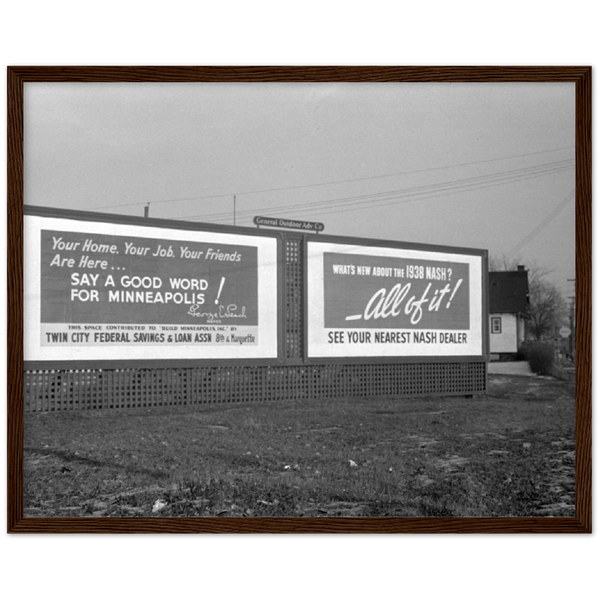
(508, 453)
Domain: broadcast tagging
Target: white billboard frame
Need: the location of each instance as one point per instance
(268, 340)
(333, 344)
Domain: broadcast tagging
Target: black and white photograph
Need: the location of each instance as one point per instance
(299, 299)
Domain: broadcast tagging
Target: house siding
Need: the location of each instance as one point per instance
(506, 341)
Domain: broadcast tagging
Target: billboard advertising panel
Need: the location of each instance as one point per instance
(371, 301)
(113, 291)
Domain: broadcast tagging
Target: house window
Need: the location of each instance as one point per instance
(496, 324)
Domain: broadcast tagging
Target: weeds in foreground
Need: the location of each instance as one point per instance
(509, 454)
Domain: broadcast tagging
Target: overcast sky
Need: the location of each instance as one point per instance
(474, 165)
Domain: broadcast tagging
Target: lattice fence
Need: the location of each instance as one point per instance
(133, 388)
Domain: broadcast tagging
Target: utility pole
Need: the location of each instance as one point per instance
(234, 207)
(147, 210)
(572, 325)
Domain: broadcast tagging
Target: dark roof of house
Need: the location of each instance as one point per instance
(509, 291)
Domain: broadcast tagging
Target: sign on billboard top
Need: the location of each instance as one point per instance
(289, 223)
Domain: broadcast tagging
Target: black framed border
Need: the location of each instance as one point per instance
(578, 73)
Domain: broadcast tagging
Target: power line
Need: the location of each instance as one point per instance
(383, 199)
(541, 226)
(297, 187)
(414, 193)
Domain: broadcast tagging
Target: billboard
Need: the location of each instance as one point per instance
(371, 301)
(114, 291)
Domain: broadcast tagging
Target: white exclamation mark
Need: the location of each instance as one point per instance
(454, 292)
(221, 289)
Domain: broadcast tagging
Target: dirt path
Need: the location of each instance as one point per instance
(510, 368)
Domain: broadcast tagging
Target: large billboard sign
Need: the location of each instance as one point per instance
(372, 301)
(114, 291)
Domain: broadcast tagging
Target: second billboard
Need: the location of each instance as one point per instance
(371, 301)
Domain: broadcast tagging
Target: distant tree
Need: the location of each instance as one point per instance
(547, 308)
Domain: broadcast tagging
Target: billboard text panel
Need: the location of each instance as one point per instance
(384, 302)
(108, 291)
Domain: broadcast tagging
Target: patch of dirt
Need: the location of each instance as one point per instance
(452, 464)
(325, 430)
(335, 509)
(422, 441)
(561, 480)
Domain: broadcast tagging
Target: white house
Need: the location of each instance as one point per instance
(509, 303)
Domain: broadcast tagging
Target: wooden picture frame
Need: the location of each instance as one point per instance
(17, 76)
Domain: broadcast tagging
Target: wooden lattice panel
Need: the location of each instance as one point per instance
(131, 388)
(293, 297)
